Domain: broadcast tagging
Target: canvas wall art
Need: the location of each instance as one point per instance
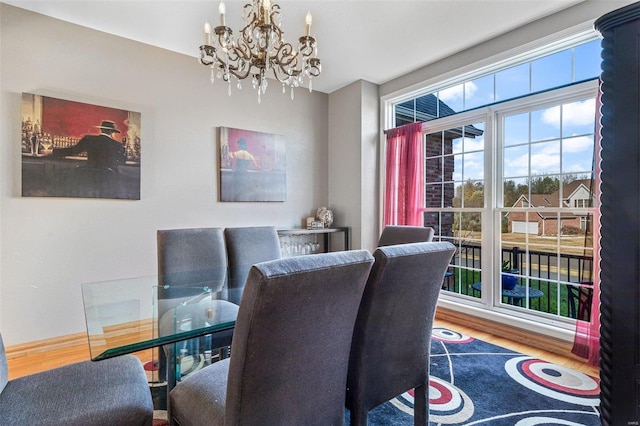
(74, 149)
(252, 166)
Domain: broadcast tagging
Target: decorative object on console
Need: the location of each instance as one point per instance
(252, 166)
(73, 149)
(325, 215)
(309, 222)
(259, 49)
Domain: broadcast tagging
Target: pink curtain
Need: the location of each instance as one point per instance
(586, 342)
(404, 184)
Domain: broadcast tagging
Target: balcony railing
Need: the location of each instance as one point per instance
(564, 279)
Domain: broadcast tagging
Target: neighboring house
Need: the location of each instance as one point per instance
(576, 195)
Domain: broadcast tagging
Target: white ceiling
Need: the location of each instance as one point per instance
(357, 39)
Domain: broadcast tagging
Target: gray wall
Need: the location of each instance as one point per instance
(49, 246)
(353, 156)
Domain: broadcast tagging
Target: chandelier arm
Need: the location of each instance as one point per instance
(283, 75)
(285, 56)
(233, 70)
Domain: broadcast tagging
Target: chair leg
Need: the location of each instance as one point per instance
(421, 406)
(359, 417)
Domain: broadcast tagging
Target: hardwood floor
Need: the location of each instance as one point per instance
(29, 359)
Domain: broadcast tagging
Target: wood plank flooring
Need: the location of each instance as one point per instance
(28, 359)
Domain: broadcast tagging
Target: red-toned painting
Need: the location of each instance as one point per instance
(74, 149)
(252, 166)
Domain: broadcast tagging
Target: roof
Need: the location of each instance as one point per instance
(553, 200)
(427, 108)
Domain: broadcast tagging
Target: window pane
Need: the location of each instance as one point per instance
(515, 193)
(473, 194)
(406, 112)
(587, 60)
(433, 144)
(457, 173)
(545, 191)
(512, 82)
(577, 154)
(516, 161)
(545, 124)
(516, 129)
(479, 92)
(545, 158)
(451, 100)
(433, 170)
(474, 166)
(433, 196)
(474, 137)
(578, 118)
(457, 146)
(551, 71)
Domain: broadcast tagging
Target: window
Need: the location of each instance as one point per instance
(548, 71)
(508, 169)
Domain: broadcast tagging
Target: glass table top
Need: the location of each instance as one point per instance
(131, 315)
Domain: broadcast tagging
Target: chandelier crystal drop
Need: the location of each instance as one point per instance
(260, 50)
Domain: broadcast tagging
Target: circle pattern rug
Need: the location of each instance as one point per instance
(476, 383)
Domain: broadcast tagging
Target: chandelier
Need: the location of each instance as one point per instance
(259, 50)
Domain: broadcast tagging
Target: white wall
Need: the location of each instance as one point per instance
(49, 246)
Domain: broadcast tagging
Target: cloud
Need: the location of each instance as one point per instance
(457, 92)
(470, 144)
(579, 144)
(580, 113)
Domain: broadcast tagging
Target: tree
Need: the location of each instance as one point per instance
(544, 185)
(472, 193)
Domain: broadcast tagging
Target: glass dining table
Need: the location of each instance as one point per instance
(137, 314)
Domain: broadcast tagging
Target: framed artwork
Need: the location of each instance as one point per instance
(252, 166)
(73, 149)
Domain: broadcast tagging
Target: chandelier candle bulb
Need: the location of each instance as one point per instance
(207, 34)
(266, 6)
(308, 21)
(222, 10)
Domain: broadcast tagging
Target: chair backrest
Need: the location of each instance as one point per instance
(4, 368)
(292, 338)
(394, 323)
(402, 234)
(188, 258)
(247, 246)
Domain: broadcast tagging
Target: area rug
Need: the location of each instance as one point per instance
(473, 382)
(476, 383)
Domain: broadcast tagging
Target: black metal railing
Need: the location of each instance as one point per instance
(565, 279)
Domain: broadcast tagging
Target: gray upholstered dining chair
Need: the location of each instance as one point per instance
(404, 234)
(391, 338)
(190, 260)
(102, 393)
(291, 347)
(247, 246)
